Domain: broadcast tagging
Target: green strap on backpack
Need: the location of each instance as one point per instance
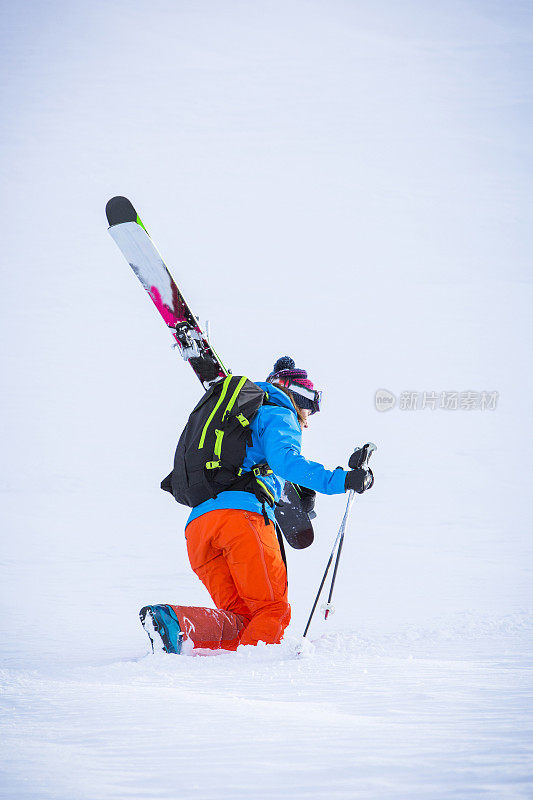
(212, 446)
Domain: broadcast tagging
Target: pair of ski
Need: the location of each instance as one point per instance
(133, 240)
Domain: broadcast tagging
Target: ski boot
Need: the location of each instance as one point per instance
(161, 624)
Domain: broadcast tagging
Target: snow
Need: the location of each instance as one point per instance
(421, 716)
(347, 183)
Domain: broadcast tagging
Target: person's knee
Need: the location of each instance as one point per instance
(268, 623)
(277, 609)
(286, 613)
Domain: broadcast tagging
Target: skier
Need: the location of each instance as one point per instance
(232, 544)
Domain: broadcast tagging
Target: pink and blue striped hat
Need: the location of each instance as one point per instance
(297, 382)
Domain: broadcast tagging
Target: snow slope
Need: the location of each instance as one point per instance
(348, 183)
(350, 718)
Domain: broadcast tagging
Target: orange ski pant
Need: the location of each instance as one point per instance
(238, 559)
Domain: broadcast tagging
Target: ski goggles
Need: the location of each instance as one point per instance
(312, 395)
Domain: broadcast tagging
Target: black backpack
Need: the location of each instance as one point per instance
(212, 446)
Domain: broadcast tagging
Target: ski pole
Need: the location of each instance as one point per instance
(367, 451)
(328, 607)
(351, 496)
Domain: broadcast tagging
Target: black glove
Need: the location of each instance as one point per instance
(307, 498)
(358, 457)
(359, 480)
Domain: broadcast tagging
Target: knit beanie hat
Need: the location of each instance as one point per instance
(296, 380)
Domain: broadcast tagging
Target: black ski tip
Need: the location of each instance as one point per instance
(299, 539)
(119, 210)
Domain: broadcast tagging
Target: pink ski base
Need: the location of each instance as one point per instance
(168, 315)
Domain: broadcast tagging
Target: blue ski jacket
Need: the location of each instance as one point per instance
(276, 440)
